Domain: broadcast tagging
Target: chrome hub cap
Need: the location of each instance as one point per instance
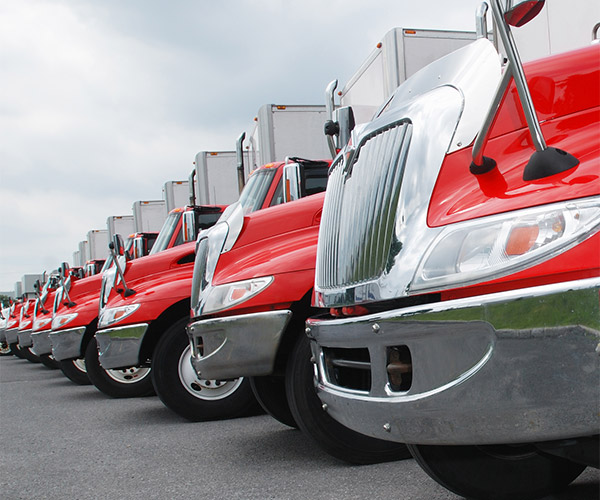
(204, 388)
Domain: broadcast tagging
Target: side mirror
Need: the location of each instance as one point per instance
(63, 270)
(138, 247)
(520, 12)
(239, 152)
(117, 245)
(188, 222)
(346, 122)
(292, 179)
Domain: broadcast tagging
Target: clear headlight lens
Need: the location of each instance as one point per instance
(223, 297)
(59, 321)
(491, 247)
(116, 314)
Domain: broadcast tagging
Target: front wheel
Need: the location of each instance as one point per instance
(5, 349)
(270, 394)
(496, 472)
(75, 371)
(49, 362)
(16, 350)
(129, 382)
(29, 355)
(180, 389)
(333, 437)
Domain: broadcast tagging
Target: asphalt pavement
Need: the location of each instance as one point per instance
(61, 440)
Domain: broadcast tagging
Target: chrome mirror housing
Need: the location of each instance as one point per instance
(188, 222)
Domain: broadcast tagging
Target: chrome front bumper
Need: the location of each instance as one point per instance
(66, 344)
(41, 343)
(11, 336)
(120, 347)
(237, 346)
(24, 337)
(510, 367)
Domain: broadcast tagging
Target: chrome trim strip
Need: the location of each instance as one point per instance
(237, 346)
(509, 367)
(120, 347)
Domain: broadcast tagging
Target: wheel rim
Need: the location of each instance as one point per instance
(80, 365)
(203, 388)
(129, 375)
(4, 348)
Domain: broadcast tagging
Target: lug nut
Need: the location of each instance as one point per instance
(324, 406)
(376, 328)
(387, 427)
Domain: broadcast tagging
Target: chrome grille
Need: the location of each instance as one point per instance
(357, 229)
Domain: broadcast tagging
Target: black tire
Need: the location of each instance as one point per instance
(180, 390)
(49, 362)
(337, 440)
(75, 371)
(16, 350)
(270, 393)
(131, 382)
(501, 472)
(29, 355)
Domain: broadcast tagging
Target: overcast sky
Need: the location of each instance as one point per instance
(102, 102)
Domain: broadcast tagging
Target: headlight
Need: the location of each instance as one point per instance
(59, 321)
(491, 247)
(40, 323)
(226, 296)
(116, 314)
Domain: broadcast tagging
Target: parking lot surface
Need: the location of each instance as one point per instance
(60, 440)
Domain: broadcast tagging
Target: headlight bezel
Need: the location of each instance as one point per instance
(221, 297)
(61, 320)
(440, 269)
(109, 317)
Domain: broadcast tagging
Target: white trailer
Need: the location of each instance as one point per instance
(176, 194)
(216, 178)
(77, 259)
(28, 281)
(280, 131)
(97, 244)
(84, 252)
(119, 224)
(401, 53)
(149, 215)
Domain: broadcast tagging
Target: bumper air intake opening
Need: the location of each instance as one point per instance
(349, 368)
(399, 368)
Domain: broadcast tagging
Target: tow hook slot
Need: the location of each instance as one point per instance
(399, 368)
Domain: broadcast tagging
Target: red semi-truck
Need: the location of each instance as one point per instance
(148, 328)
(458, 270)
(76, 315)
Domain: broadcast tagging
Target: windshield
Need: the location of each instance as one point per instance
(254, 194)
(166, 233)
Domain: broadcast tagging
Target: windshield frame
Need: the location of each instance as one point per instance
(165, 235)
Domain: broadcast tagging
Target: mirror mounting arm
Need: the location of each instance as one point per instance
(128, 291)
